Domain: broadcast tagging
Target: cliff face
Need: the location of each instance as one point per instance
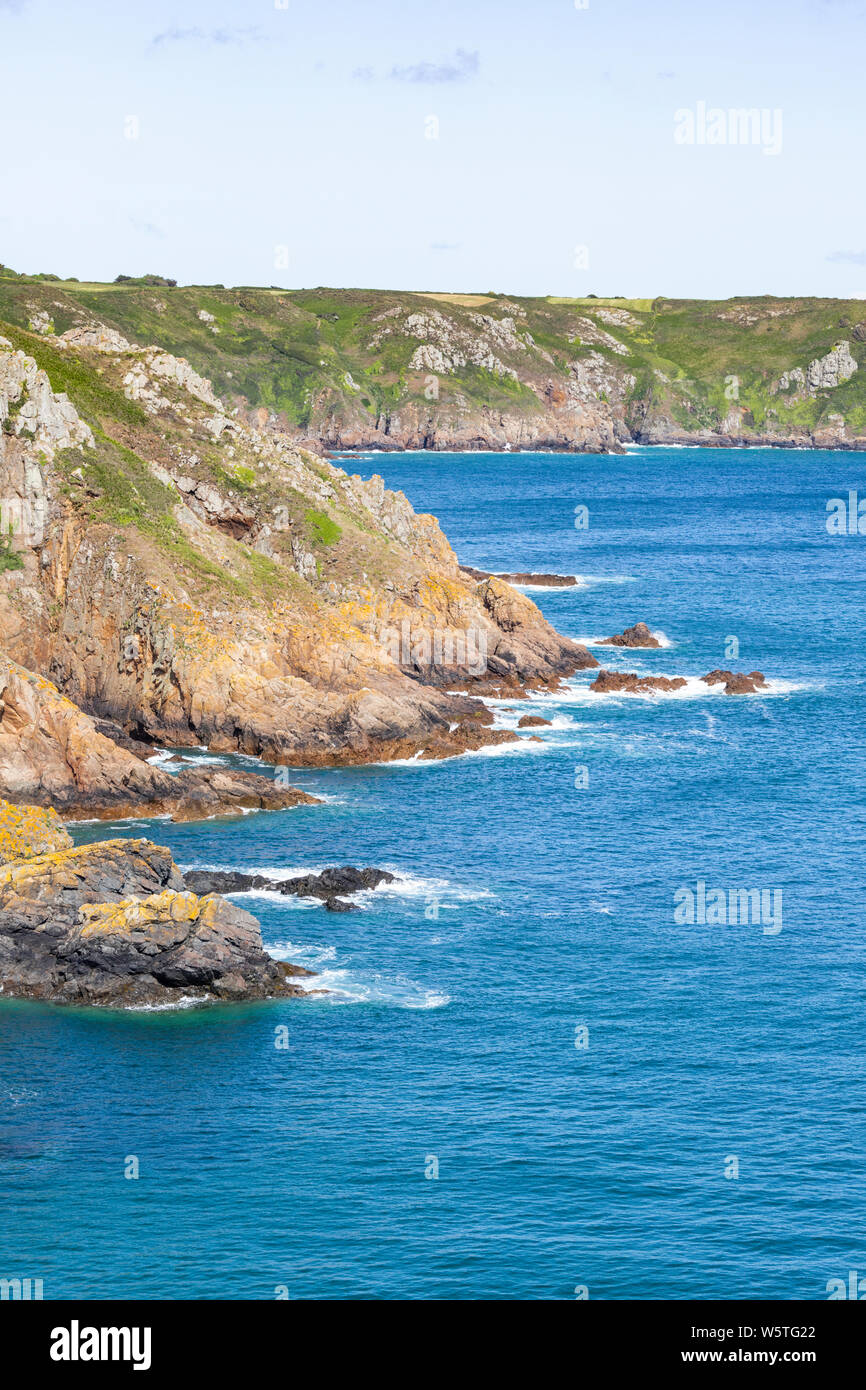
(376, 369)
(198, 579)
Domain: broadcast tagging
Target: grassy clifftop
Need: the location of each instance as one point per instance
(360, 367)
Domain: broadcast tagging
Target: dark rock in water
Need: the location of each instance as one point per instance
(113, 924)
(551, 581)
(329, 885)
(340, 905)
(628, 682)
(226, 881)
(531, 721)
(637, 636)
(736, 683)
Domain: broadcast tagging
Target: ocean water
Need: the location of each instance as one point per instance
(708, 1141)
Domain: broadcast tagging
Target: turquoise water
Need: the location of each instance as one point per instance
(530, 906)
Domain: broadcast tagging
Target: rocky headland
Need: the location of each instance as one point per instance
(179, 576)
(114, 924)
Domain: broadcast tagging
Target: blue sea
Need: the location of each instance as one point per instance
(529, 1079)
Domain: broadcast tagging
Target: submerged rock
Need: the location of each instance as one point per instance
(114, 924)
(637, 636)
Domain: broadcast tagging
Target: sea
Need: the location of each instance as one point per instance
(604, 1037)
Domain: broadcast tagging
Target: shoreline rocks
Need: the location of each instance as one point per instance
(53, 754)
(630, 683)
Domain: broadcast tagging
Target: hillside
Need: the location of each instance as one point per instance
(357, 368)
(173, 573)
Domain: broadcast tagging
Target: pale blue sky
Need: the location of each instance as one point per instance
(304, 127)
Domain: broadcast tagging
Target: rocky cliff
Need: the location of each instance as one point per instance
(196, 578)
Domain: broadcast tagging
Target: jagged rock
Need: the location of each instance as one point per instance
(825, 373)
(736, 683)
(98, 336)
(822, 374)
(637, 636)
(327, 884)
(628, 682)
(532, 721)
(30, 408)
(113, 924)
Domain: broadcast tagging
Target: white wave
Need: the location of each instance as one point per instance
(186, 1001)
(311, 955)
(548, 588)
(416, 886)
(580, 694)
(592, 579)
(161, 757)
(510, 716)
(349, 987)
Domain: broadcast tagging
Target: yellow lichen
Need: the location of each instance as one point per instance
(28, 831)
(141, 914)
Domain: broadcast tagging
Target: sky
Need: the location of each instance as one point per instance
(544, 147)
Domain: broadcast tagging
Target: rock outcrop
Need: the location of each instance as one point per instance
(26, 831)
(637, 636)
(629, 683)
(737, 683)
(548, 581)
(331, 886)
(113, 924)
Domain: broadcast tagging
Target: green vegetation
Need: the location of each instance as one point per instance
(9, 558)
(306, 358)
(323, 529)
